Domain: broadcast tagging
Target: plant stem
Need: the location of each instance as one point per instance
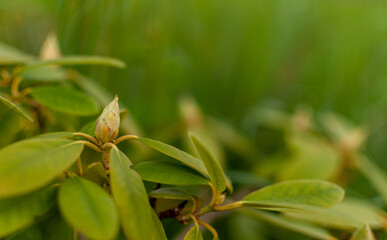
(79, 166)
(209, 228)
(126, 137)
(15, 87)
(87, 136)
(228, 207)
(90, 145)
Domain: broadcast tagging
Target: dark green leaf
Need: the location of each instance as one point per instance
(169, 173)
(30, 164)
(296, 194)
(88, 208)
(137, 216)
(215, 172)
(66, 100)
(175, 153)
(19, 212)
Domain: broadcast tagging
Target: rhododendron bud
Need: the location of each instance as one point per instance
(108, 123)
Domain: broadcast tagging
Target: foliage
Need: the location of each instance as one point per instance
(277, 175)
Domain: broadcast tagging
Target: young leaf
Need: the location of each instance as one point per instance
(169, 173)
(19, 212)
(170, 193)
(291, 224)
(66, 100)
(132, 201)
(30, 164)
(194, 234)
(175, 153)
(76, 60)
(215, 172)
(88, 208)
(296, 194)
(15, 107)
(364, 233)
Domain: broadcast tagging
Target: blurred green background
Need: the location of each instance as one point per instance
(230, 55)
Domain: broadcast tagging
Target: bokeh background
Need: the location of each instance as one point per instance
(232, 57)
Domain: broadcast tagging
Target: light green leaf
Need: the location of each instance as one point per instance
(169, 173)
(45, 74)
(132, 201)
(88, 208)
(291, 224)
(10, 55)
(348, 215)
(194, 234)
(76, 60)
(215, 172)
(19, 212)
(66, 100)
(296, 195)
(170, 193)
(55, 135)
(175, 153)
(364, 233)
(376, 176)
(30, 164)
(15, 107)
(311, 158)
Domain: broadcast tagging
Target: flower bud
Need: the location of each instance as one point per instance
(108, 123)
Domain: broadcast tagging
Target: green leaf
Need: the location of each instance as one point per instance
(194, 234)
(15, 107)
(312, 158)
(364, 233)
(96, 173)
(169, 173)
(215, 172)
(55, 135)
(33, 163)
(10, 55)
(66, 100)
(19, 212)
(88, 208)
(296, 194)
(76, 60)
(175, 153)
(170, 193)
(45, 74)
(291, 224)
(137, 216)
(376, 176)
(348, 215)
